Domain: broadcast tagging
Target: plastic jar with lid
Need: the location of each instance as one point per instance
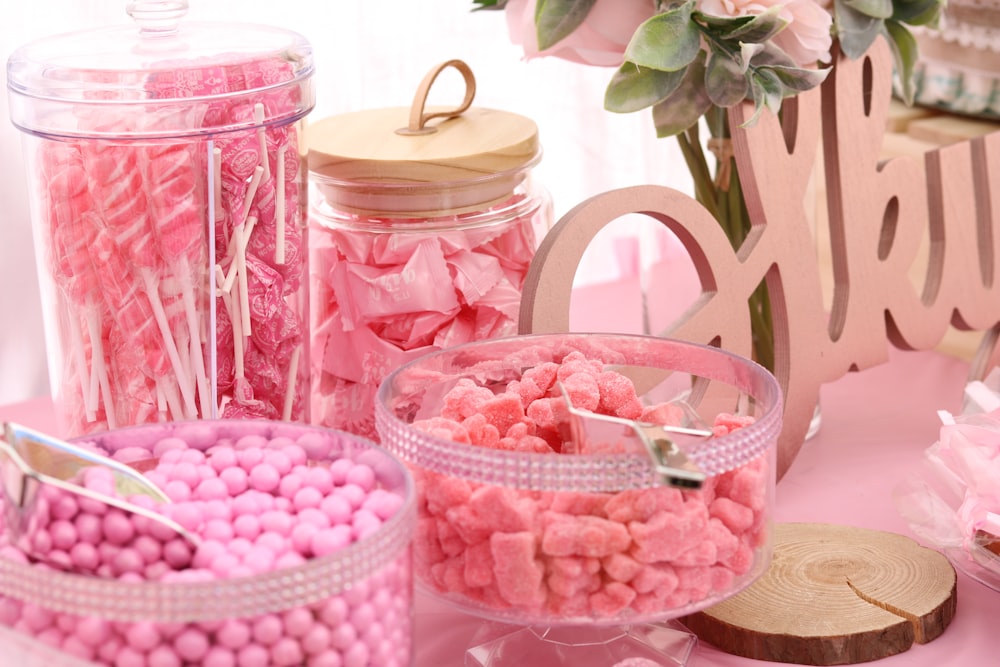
(168, 209)
(423, 224)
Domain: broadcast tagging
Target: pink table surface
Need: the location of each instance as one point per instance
(876, 424)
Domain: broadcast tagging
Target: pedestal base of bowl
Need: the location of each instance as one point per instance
(648, 645)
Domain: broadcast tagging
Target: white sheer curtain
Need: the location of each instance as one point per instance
(368, 54)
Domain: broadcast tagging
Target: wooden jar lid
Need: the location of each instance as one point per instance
(405, 159)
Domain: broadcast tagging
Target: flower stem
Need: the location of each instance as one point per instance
(694, 157)
(728, 207)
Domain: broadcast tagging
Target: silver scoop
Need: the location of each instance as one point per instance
(590, 432)
(30, 459)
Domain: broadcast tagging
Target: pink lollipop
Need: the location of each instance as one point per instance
(116, 184)
(143, 318)
(136, 239)
(178, 212)
(71, 234)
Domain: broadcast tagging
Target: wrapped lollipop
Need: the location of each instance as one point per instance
(164, 156)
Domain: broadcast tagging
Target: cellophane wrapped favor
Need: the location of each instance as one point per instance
(954, 503)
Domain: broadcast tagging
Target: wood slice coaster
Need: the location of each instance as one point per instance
(835, 595)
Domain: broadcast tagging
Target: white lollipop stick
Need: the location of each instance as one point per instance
(258, 173)
(168, 341)
(279, 210)
(169, 392)
(242, 238)
(293, 370)
(161, 404)
(217, 183)
(226, 279)
(91, 395)
(220, 281)
(197, 357)
(258, 116)
(98, 365)
(234, 249)
(88, 381)
(227, 300)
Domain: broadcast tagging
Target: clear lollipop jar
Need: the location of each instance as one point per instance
(168, 208)
(420, 237)
(224, 602)
(517, 523)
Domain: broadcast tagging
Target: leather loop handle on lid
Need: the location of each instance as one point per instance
(418, 118)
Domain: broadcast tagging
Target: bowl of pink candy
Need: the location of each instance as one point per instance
(283, 544)
(585, 479)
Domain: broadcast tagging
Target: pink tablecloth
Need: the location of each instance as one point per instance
(876, 425)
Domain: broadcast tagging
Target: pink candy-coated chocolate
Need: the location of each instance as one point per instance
(243, 534)
(570, 555)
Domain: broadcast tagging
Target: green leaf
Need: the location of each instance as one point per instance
(748, 52)
(791, 75)
(633, 87)
(667, 42)
(879, 9)
(757, 28)
(800, 79)
(904, 55)
(488, 4)
(556, 19)
(854, 30)
(725, 80)
(687, 104)
(767, 93)
(918, 12)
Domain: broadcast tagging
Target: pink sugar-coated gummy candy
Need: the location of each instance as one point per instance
(666, 535)
(641, 504)
(582, 390)
(481, 432)
(447, 429)
(518, 573)
(464, 400)
(665, 414)
(584, 535)
(618, 396)
(578, 554)
(727, 423)
(737, 518)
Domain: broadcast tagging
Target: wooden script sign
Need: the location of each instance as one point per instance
(879, 215)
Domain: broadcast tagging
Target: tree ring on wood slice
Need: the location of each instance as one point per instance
(835, 595)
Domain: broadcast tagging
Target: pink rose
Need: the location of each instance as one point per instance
(600, 40)
(806, 39)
